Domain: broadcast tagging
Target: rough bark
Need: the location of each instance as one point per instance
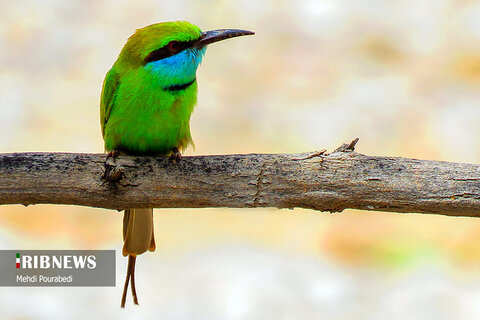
(326, 182)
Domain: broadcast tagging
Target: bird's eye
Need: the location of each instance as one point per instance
(174, 46)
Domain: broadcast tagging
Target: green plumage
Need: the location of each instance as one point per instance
(144, 119)
(147, 100)
(137, 114)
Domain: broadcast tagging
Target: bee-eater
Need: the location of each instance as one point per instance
(147, 98)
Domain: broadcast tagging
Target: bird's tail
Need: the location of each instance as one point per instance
(137, 238)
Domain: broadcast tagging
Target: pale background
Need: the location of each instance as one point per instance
(402, 75)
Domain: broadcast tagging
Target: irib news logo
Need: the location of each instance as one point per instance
(57, 268)
(55, 261)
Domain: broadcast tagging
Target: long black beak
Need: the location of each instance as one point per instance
(219, 35)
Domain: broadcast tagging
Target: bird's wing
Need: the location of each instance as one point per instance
(110, 85)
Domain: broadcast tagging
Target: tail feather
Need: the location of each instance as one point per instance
(152, 241)
(138, 231)
(137, 238)
(130, 278)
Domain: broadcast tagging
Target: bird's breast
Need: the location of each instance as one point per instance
(147, 119)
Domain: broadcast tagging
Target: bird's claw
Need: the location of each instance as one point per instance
(175, 156)
(113, 172)
(113, 154)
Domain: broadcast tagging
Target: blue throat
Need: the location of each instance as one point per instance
(175, 73)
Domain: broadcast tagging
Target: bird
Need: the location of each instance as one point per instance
(146, 102)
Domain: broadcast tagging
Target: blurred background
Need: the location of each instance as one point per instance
(402, 75)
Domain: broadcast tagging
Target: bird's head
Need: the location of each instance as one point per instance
(170, 50)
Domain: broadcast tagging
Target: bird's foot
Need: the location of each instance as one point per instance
(175, 156)
(113, 172)
(113, 154)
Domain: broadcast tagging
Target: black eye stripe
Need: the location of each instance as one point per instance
(158, 54)
(164, 52)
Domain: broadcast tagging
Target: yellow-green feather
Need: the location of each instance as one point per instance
(137, 115)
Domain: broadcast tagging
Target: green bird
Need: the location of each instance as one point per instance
(147, 99)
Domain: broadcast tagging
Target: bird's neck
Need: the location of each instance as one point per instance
(176, 72)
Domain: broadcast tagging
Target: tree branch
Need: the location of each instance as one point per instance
(320, 181)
